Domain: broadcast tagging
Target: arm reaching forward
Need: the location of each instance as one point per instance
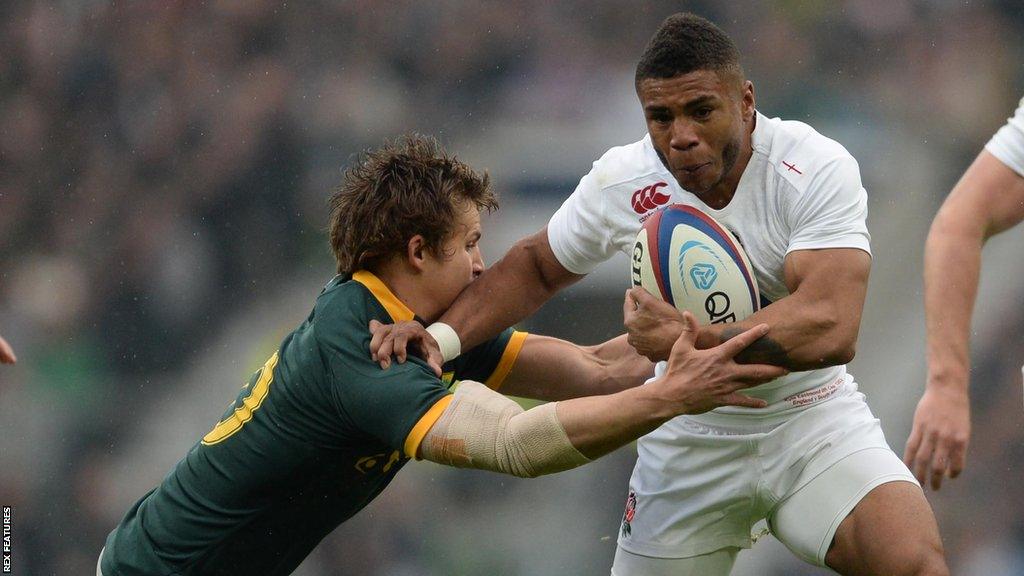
(552, 369)
(988, 199)
(481, 429)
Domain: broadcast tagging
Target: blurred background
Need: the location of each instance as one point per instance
(164, 170)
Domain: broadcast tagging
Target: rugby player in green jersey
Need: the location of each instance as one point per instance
(321, 429)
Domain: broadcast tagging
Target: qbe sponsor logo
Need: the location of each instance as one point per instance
(7, 539)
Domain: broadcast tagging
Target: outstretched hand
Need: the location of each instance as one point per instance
(400, 339)
(702, 380)
(6, 353)
(653, 324)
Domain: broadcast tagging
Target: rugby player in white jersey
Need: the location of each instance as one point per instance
(814, 462)
(987, 200)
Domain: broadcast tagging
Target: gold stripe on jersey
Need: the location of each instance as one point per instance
(415, 437)
(508, 359)
(398, 311)
(251, 403)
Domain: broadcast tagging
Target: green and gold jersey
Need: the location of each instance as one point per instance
(312, 438)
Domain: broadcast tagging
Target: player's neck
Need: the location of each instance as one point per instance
(409, 289)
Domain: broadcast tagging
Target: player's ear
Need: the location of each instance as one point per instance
(747, 96)
(416, 252)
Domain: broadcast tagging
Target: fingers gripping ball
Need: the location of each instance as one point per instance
(691, 261)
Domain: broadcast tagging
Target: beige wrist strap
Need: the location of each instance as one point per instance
(447, 340)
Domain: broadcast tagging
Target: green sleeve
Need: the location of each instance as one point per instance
(490, 361)
(396, 406)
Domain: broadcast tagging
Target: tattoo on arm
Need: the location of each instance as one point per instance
(765, 350)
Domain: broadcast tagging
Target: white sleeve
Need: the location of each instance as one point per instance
(833, 210)
(1008, 143)
(578, 232)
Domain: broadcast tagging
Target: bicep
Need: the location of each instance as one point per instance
(484, 430)
(988, 199)
(836, 278)
(541, 262)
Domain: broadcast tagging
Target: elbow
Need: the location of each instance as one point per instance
(532, 251)
(958, 224)
(535, 255)
(840, 354)
(837, 343)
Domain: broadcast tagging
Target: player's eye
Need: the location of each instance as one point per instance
(703, 113)
(660, 118)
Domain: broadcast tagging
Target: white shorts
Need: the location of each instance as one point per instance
(702, 482)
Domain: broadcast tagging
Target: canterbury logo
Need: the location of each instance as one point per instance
(648, 198)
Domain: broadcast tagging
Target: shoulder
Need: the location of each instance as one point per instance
(626, 164)
(803, 158)
(342, 314)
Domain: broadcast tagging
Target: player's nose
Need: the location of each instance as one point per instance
(478, 263)
(684, 136)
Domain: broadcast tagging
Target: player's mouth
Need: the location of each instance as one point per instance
(694, 169)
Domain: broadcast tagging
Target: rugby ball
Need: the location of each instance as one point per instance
(691, 261)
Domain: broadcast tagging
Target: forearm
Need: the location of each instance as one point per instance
(552, 369)
(987, 200)
(951, 270)
(618, 367)
(806, 335)
(506, 293)
(597, 425)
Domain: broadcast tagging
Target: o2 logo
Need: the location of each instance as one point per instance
(718, 307)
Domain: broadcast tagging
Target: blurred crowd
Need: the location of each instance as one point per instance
(164, 165)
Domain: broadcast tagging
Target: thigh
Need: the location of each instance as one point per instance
(717, 563)
(691, 493)
(808, 520)
(892, 530)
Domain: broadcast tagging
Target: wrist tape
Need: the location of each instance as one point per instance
(447, 340)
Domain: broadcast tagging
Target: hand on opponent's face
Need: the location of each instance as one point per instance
(400, 339)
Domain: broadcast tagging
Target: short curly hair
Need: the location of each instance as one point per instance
(686, 43)
(406, 187)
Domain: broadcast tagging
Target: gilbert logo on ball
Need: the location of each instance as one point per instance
(691, 261)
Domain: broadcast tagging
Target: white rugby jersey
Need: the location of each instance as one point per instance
(799, 191)
(1008, 143)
